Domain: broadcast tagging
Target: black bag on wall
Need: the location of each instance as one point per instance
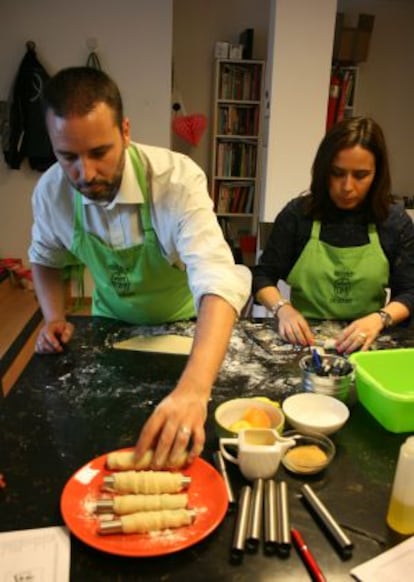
(24, 134)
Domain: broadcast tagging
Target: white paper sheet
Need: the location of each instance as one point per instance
(35, 555)
(165, 344)
(394, 565)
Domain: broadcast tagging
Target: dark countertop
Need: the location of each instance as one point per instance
(68, 409)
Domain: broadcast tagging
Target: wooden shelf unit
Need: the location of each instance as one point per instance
(237, 141)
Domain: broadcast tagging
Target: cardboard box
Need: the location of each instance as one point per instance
(351, 45)
(221, 50)
(345, 46)
(236, 51)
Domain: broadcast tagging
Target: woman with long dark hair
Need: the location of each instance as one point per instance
(344, 247)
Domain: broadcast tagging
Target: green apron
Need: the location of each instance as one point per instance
(329, 282)
(135, 284)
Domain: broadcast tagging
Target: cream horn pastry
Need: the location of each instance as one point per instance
(146, 482)
(146, 521)
(126, 460)
(123, 504)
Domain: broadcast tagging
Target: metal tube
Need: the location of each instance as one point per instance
(283, 522)
(221, 467)
(110, 527)
(344, 544)
(270, 516)
(104, 506)
(186, 481)
(108, 482)
(254, 526)
(239, 536)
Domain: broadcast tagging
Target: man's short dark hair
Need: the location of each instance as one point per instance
(77, 90)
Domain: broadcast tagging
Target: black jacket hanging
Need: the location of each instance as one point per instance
(27, 134)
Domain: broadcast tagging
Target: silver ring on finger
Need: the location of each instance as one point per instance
(185, 430)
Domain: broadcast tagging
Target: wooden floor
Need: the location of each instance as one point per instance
(18, 307)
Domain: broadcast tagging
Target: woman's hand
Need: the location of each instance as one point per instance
(360, 334)
(53, 336)
(293, 327)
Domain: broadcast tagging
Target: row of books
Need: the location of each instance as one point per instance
(341, 89)
(236, 158)
(234, 197)
(240, 82)
(232, 236)
(238, 120)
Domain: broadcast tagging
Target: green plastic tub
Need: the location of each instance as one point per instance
(385, 386)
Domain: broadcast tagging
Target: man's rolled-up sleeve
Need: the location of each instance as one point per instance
(198, 241)
(52, 230)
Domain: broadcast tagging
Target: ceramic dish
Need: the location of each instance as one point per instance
(207, 496)
(311, 412)
(312, 453)
(231, 411)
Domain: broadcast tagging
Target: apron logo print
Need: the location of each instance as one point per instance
(342, 288)
(120, 280)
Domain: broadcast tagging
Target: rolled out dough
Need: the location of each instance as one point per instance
(124, 504)
(165, 344)
(126, 460)
(155, 520)
(147, 482)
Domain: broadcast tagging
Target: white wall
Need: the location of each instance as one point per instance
(299, 62)
(386, 80)
(134, 43)
(197, 26)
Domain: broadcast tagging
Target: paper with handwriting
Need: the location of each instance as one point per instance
(35, 555)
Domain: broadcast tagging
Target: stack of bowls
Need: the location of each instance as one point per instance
(334, 377)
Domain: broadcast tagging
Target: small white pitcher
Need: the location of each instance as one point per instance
(259, 451)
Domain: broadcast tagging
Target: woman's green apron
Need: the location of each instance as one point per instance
(329, 282)
(135, 284)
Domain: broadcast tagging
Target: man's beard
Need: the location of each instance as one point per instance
(102, 191)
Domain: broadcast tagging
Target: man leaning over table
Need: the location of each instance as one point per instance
(141, 219)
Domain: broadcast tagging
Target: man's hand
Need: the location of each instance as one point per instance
(53, 337)
(177, 423)
(293, 327)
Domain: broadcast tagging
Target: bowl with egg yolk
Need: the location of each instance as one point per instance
(237, 414)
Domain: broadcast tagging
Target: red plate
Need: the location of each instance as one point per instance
(206, 494)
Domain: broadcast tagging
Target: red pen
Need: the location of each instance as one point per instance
(312, 565)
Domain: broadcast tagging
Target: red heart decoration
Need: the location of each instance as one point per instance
(190, 127)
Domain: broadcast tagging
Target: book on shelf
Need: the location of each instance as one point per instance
(250, 199)
(345, 94)
(240, 82)
(237, 142)
(237, 120)
(236, 158)
(234, 197)
(341, 90)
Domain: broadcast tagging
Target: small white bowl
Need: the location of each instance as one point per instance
(311, 412)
